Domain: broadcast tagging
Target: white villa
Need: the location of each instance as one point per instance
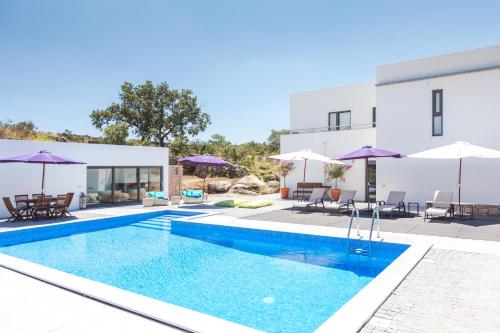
(411, 107)
(112, 173)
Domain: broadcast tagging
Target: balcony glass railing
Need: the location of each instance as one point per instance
(333, 129)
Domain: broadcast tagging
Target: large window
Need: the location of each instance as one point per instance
(99, 185)
(125, 184)
(340, 120)
(122, 184)
(437, 112)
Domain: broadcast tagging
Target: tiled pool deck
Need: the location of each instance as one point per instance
(453, 289)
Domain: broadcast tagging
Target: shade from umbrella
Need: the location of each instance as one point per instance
(205, 160)
(365, 153)
(305, 155)
(42, 157)
(458, 151)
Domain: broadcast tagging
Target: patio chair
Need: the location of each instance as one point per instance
(16, 214)
(22, 204)
(395, 201)
(345, 201)
(42, 207)
(317, 197)
(59, 206)
(67, 204)
(441, 206)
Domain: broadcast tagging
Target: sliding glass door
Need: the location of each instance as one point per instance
(99, 185)
(122, 184)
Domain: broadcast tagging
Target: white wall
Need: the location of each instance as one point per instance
(471, 109)
(22, 178)
(469, 60)
(310, 109)
(331, 144)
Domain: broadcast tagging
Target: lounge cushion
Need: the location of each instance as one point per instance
(160, 195)
(192, 193)
(230, 203)
(256, 204)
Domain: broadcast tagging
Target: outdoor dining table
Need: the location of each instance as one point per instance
(31, 202)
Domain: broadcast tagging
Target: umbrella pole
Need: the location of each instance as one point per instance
(305, 167)
(43, 178)
(367, 195)
(460, 189)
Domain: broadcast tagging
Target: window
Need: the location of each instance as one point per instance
(122, 184)
(437, 112)
(340, 120)
(374, 117)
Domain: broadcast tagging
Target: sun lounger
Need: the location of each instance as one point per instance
(395, 201)
(441, 206)
(346, 200)
(193, 196)
(316, 198)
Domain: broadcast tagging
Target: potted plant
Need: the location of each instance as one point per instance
(284, 169)
(335, 172)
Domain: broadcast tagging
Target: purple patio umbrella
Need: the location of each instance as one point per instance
(205, 160)
(42, 157)
(365, 153)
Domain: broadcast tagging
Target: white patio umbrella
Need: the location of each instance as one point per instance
(305, 155)
(458, 151)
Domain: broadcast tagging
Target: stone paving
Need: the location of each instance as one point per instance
(448, 291)
(481, 227)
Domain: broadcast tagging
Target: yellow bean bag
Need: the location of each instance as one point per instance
(256, 204)
(230, 203)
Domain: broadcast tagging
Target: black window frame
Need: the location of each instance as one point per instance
(374, 116)
(337, 118)
(435, 114)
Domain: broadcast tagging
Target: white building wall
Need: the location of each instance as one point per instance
(310, 109)
(471, 110)
(331, 144)
(23, 178)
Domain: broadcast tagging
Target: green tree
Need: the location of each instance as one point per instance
(273, 141)
(157, 114)
(115, 134)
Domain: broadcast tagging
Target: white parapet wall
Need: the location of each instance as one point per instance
(471, 112)
(23, 178)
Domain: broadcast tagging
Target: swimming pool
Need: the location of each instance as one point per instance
(267, 280)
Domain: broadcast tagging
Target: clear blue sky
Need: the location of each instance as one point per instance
(59, 60)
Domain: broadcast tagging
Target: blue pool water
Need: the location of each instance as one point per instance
(271, 281)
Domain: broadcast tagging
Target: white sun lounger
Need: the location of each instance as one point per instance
(395, 201)
(316, 198)
(346, 200)
(441, 206)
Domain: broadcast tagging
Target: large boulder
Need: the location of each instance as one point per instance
(219, 186)
(253, 183)
(242, 189)
(273, 186)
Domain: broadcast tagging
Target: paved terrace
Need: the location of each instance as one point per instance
(453, 289)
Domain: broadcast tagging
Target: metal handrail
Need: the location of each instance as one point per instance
(375, 219)
(332, 128)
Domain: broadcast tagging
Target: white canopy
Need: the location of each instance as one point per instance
(304, 155)
(460, 149)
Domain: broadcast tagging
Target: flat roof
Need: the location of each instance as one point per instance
(481, 59)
